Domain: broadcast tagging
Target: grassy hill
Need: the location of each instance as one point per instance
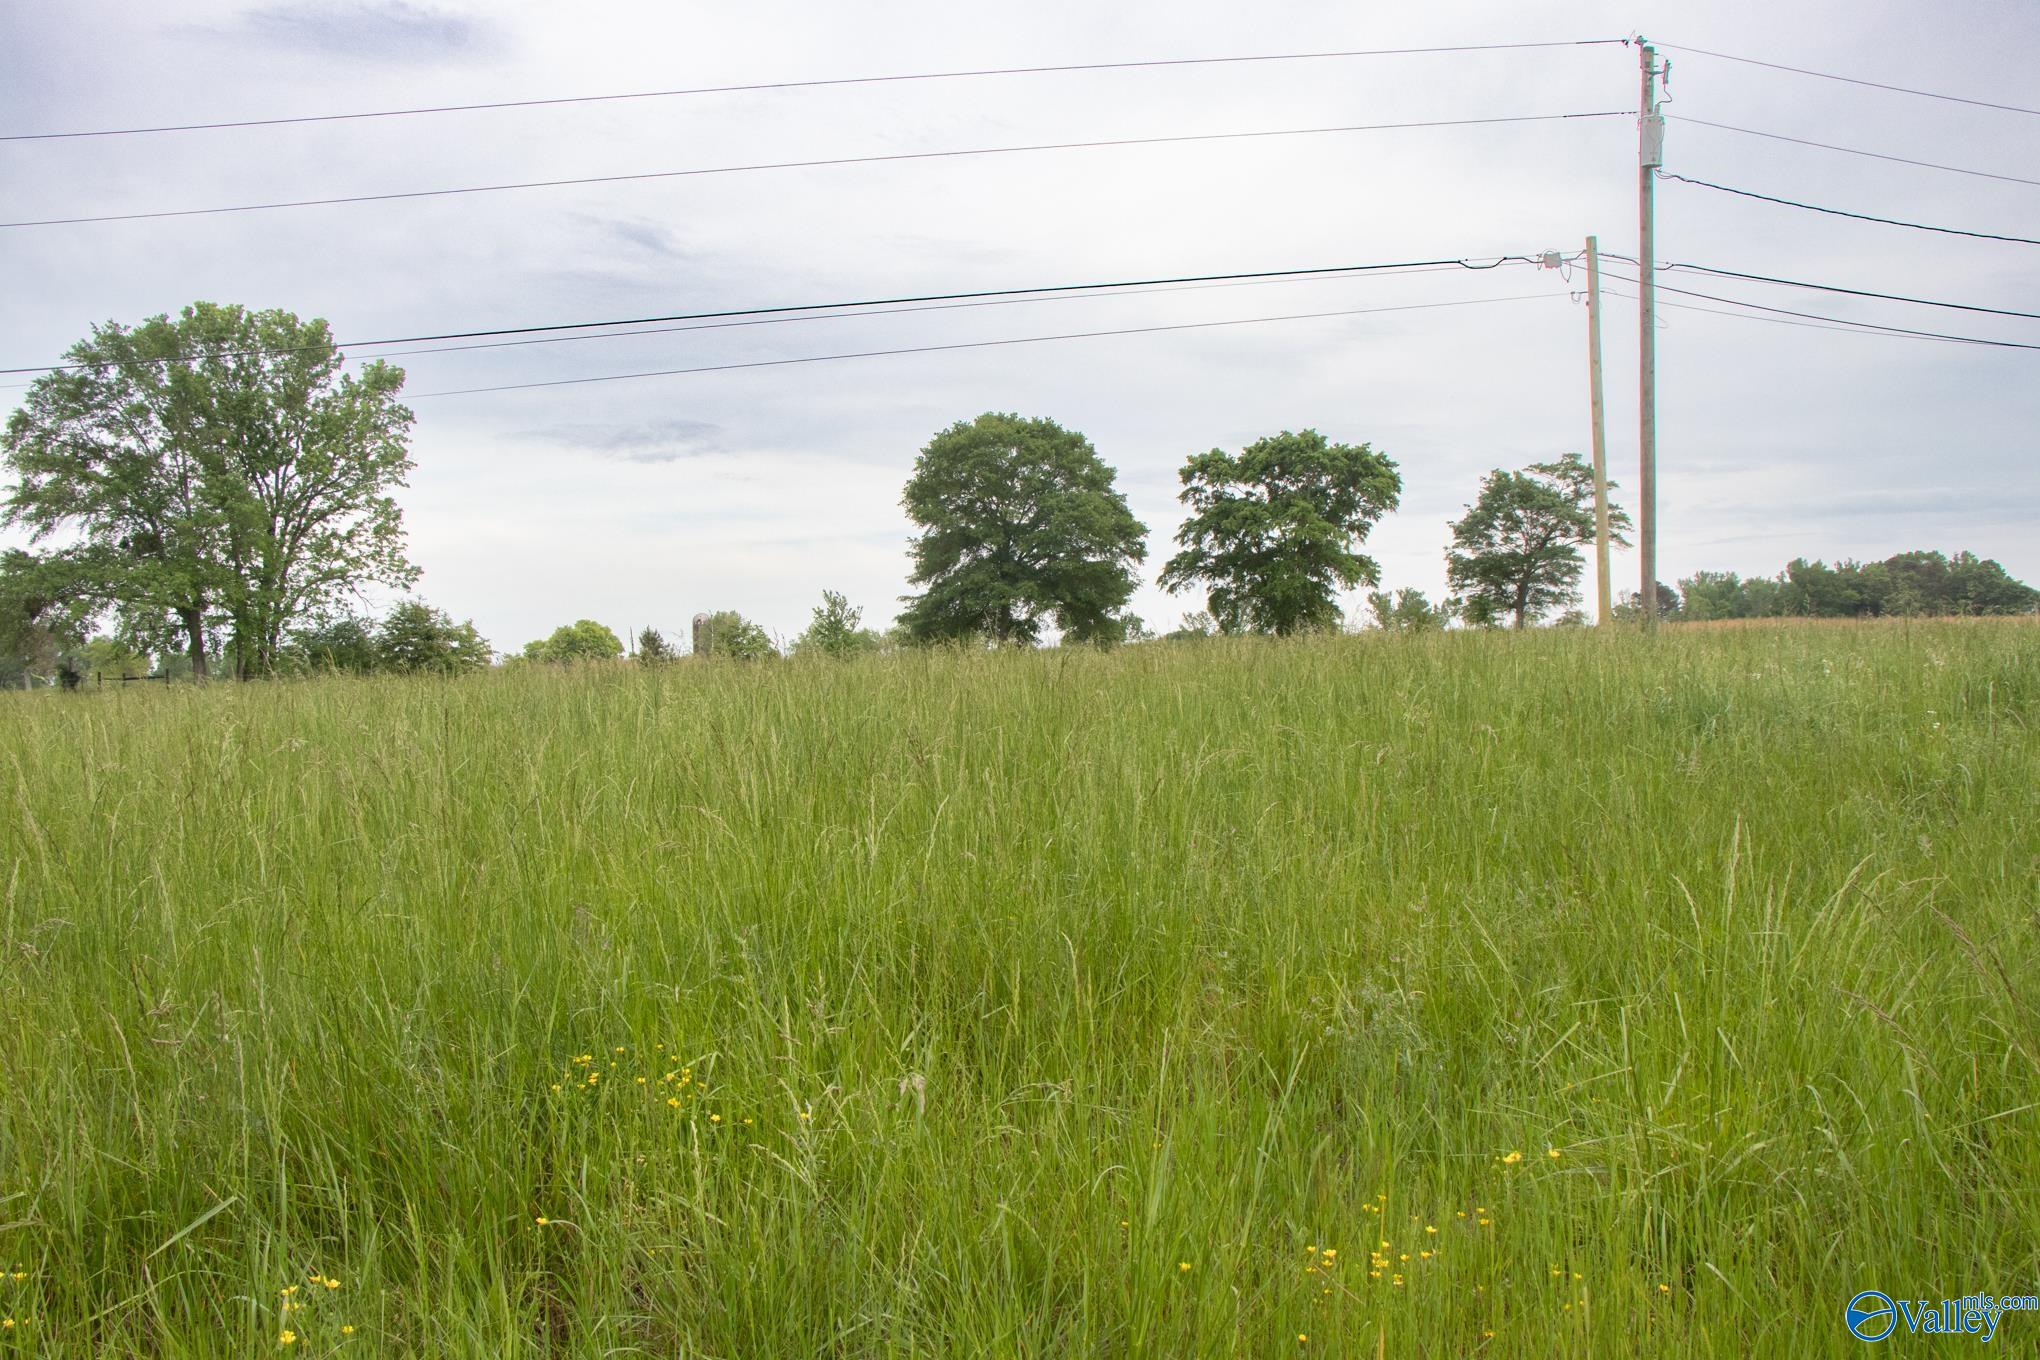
(1465, 995)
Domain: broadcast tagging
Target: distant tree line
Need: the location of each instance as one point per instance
(1906, 584)
(215, 492)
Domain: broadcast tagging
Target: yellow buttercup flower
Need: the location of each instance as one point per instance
(1182, 1265)
(1512, 1158)
(347, 1329)
(286, 1337)
(1552, 1153)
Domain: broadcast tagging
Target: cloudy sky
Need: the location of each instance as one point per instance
(641, 502)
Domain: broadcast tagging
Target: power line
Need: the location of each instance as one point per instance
(1853, 80)
(970, 344)
(891, 311)
(764, 86)
(802, 165)
(1837, 288)
(1839, 212)
(1843, 323)
(1853, 150)
(1392, 267)
(1842, 327)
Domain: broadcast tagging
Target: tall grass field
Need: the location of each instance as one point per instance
(1472, 995)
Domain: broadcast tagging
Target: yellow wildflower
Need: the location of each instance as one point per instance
(286, 1337)
(1552, 1153)
(1182, 1265)
(1512, 1158)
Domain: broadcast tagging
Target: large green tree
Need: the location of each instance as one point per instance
(416, 637)
(581, 640)
(1516, 550)
(1020, 523)
(1273, 530)
(218, 469)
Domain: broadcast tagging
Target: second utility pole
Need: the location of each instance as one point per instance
(1602, 591)
(1650, 137)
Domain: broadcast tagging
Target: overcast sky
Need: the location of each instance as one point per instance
(642, 502)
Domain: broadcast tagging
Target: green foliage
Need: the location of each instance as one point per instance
(340, 643)
(1910, 583)
(1198, 623)
(1516, 550)
(1020, 523)
(1272, 532)
(416, 637)
(653, 649)
(1629, 608)
(1709, 595)
(1034, 975)
(835, 630)
(219, 470)
(732, 635)
(41, 615)
(109, 657)
(412, 637)
(1407, 611)
(582, 640)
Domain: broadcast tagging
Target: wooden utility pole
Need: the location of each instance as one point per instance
(1650, 137)
(1604, 589)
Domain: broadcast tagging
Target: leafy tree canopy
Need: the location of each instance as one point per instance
(653, 649)
(732, 635)
(1516, 550)
(1020, 523)
(836, 630)
(416, 637)
(218, 470)
(1908, 583)
(1407, 611)
(1273, 531)
(582, 640)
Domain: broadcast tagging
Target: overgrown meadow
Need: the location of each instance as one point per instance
(1469, 995)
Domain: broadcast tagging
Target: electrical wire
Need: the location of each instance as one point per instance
(1853, 150)
(969, 344)
(1839, 212)
(882, 311)
(788, 311)
(1834, 288)
(1852, 80)
(1838, 322)
(763, 86)
(898, 156)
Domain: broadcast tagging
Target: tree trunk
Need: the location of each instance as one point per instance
(194, 625)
